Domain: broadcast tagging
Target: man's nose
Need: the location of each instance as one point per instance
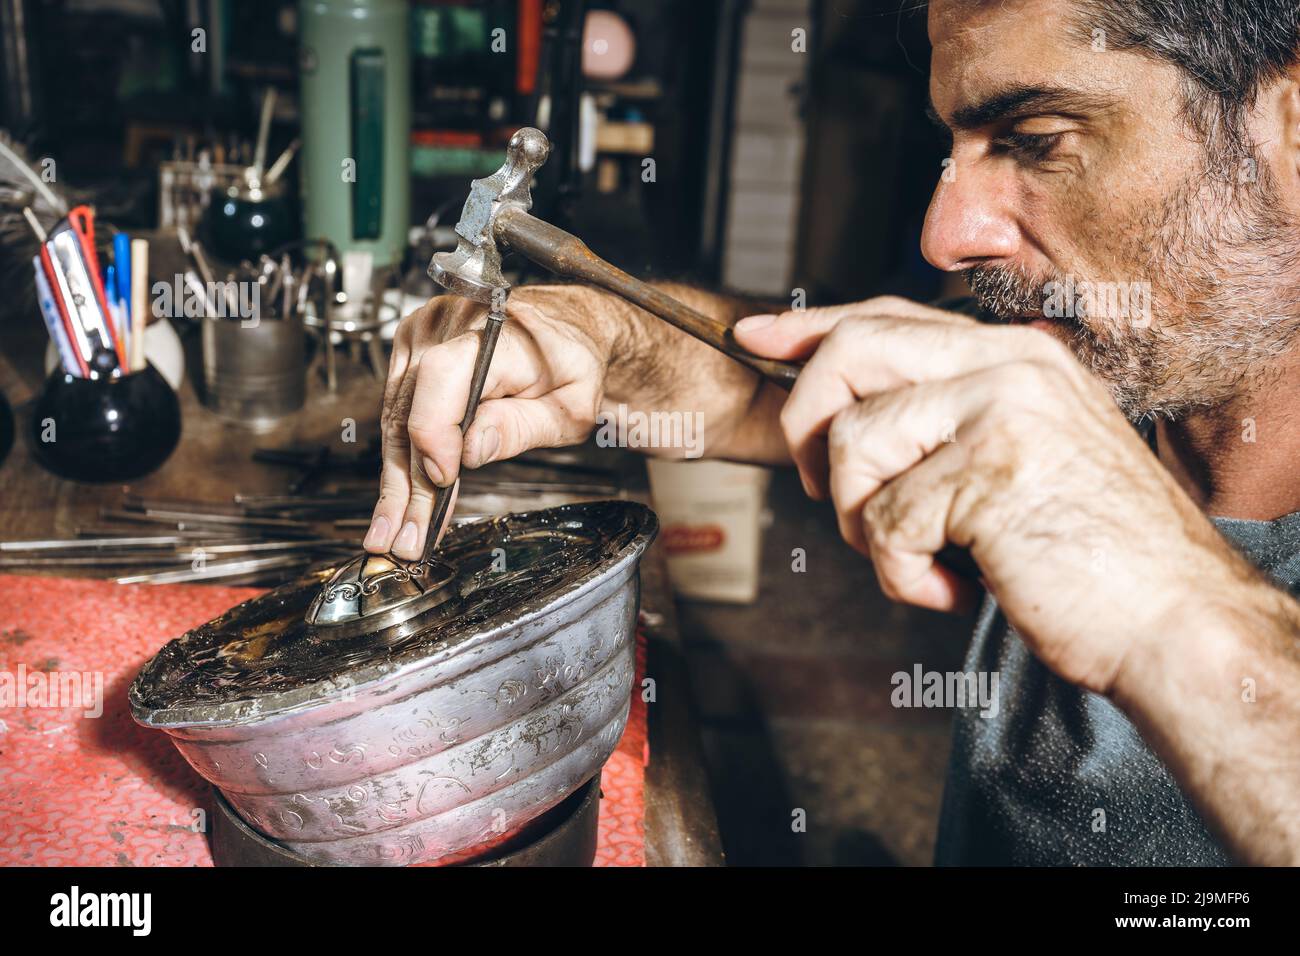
(969, 222)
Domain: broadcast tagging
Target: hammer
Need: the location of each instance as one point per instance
(496, 219)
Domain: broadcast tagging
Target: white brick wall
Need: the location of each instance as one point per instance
(767, 151)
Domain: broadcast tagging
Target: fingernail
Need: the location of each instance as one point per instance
(488, 445)
(755, 322)
(377, 534)
(405, 542)
(433, 472)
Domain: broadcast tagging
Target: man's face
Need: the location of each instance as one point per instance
(1079, 196)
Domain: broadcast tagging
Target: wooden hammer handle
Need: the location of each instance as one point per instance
(568, 256)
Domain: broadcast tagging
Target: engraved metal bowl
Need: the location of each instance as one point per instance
(459, 736)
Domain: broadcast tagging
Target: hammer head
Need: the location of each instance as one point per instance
(474, 269)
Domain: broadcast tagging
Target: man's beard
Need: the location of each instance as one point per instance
(1221, 261)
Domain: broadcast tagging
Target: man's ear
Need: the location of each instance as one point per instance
(1291, 120)
(1276, 123)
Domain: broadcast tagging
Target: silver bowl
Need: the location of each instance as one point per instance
(444, 735)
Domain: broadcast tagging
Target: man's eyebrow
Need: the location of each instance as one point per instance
(1019, 101)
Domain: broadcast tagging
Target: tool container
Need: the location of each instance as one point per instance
(105, 429)
(245, 223)
(254, 372)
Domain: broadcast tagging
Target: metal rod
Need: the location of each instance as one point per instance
(226, 569)
(330, 280)
(191, 522)
(69, 544)
(263, 133)
(280, 165)
(487, 344)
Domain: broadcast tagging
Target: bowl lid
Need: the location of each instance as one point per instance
(262, 659)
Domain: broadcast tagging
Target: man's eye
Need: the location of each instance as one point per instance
(1035, 147)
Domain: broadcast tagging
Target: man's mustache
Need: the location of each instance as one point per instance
(1007, 292)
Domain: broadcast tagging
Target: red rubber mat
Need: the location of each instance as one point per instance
(78, 788)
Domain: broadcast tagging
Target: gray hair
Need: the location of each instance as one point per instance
(1228, 50)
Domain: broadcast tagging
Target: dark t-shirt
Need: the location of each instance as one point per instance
(1059, 776)
(1025, 786)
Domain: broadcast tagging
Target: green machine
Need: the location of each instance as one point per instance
(355, 64)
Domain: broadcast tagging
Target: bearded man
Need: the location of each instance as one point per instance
(1120, 460)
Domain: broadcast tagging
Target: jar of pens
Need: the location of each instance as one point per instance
(105, 414)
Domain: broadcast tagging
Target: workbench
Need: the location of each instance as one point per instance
(214, 460)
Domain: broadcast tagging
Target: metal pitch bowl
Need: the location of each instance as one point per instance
(435, 736)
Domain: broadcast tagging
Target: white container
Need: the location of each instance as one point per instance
(710, 518)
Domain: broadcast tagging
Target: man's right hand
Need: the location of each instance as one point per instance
(543, 390)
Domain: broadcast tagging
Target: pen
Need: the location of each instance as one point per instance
(122, 262)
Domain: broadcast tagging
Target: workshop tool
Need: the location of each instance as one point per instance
(540, 471)
(142, 536)
(222, 572)
(426, 740)
(83, 303)
(256, 171)
(297, 281)
(81, 221)
(281, 164)
(376, 591)
(52, 313)
(60, 297)
(496, 219)
(69, 360)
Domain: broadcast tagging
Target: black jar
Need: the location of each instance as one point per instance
(105, 429)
